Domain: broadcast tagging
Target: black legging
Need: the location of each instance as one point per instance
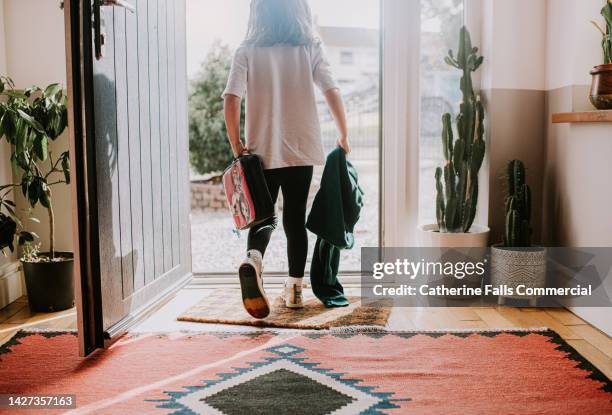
(295, 184)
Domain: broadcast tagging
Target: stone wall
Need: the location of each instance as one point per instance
(207, 196)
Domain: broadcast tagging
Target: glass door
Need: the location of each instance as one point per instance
(352, 44)
(440, 24)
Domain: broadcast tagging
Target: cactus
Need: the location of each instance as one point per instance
(457, 182)
(606, 42)
(518, 207)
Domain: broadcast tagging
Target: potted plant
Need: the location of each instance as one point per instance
(457, 181)
(516, 262)
(28, 120)
(601, 88)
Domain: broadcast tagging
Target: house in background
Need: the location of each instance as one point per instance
(354, 54)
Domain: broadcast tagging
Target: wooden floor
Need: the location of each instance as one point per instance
(587, 340)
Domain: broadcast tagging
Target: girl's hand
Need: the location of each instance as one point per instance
(344, 144)
(239, 150)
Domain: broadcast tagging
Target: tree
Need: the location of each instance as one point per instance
(209, 149)
(449, 14)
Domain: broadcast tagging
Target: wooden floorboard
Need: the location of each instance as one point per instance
(593, 344)
(593, 355)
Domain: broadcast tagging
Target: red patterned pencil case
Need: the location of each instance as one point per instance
(246, 191)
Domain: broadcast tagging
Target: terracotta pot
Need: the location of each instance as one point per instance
(601, 88)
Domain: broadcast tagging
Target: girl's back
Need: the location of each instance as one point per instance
(282, 125)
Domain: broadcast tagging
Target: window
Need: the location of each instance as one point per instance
(211, 40)
(347, 57)
(440, 24)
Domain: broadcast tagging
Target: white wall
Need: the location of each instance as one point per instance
(35, 52)
(577, 170)
(572, 42)
(514, 44)
(5, 169)
(35, 55)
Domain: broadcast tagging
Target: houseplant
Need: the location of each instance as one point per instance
(601, 87)
(516, 262)
(457, 181)
(29, 119)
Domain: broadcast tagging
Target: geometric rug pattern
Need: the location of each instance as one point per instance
(281, 384)
(318, 372)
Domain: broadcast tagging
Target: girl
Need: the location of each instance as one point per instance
(277, 66)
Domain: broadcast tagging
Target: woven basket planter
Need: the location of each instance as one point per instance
(518, 266)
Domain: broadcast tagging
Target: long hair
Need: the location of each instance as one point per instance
(275, 22)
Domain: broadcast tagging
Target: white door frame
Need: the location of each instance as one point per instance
(401, 33)
(401, 104)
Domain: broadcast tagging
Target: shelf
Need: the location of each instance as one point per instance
(587, 116)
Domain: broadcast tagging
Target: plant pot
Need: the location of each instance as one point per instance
(601, 88)
(50, 285)
(430, 236)
(518, 266)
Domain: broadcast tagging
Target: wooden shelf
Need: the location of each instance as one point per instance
(587, 116)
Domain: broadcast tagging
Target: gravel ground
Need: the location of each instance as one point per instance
(217, 247)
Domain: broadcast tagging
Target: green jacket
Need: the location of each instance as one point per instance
(333, 216)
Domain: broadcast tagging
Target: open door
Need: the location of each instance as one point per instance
(127, 85)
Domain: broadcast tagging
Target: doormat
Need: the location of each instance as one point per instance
(224, 306)
(314, 372)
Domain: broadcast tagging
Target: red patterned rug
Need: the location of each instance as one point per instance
(513, 372)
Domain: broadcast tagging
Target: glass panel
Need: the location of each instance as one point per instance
(352, 44)
(440, 24)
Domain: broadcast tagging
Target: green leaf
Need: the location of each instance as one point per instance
(44, 198)
(53, 89)
(31, 121)
(34, 192)
(24, 237)
(606, 12)
(66, 166)
(20, 137)
(8, 126)
(11, 211)
(41, 147)
(25, 184)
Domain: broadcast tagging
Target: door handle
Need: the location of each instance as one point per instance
(119, 3)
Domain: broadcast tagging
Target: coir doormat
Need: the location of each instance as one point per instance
(314, 373)
(224, 306)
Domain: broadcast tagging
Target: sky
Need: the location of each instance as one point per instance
(208, 20)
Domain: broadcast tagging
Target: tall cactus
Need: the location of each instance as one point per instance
(457, 182)
(518, 207)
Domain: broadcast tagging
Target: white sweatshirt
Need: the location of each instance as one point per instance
(282, 124)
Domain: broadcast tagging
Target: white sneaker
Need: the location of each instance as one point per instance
(292, 295)
(251, 284)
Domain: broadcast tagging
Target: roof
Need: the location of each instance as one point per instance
(349, 36)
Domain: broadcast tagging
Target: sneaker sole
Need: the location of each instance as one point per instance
(289, 305)
(253, 297)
